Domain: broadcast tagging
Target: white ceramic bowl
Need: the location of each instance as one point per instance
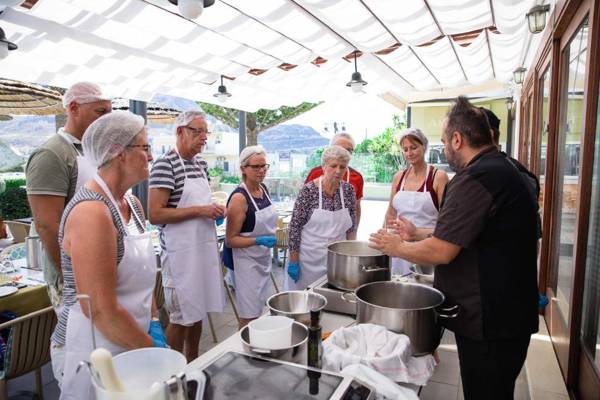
(271, 332)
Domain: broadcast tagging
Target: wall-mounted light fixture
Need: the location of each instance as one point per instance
(192, 9)
(519, 75)
(510, 106)
(356, 82)
(536, 18)
(222, 95)
(5, 45)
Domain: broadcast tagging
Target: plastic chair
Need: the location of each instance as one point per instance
(28, 348)
(282, 235)
(159, 298)
(14, 252)
(18, 230)
(220, 196)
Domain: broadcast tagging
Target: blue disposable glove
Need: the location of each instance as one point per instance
(156, 333)
(219, 221)
(267, 241)
(294, 271)
(542, 301)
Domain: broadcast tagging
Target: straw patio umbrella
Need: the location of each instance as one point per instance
(155, 112)
(21, 98)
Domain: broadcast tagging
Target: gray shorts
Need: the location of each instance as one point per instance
(173, 307)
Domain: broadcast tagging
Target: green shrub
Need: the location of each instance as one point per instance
(230, 179)
(14, 183)
(13, 204)
(215, 171)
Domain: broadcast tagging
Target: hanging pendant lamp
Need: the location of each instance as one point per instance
(192, 9)
(356, 81)
(222, 94)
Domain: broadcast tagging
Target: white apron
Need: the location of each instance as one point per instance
(85, 170)
(136, 275)
(252, 265)
(419, 209)
(193, 268)
(322, 228)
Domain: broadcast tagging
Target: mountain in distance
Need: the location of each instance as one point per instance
(9, 158)
(293, 137)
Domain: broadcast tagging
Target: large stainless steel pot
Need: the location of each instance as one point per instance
(296, 304)
(351, 263)
(407, 308)
(299, 339)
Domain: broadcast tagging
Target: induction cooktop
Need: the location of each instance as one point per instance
(245, 377)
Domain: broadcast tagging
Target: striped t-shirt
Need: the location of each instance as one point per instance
(167, 172)
(70, 290)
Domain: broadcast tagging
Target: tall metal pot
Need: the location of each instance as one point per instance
(352, 263)
(407, 308)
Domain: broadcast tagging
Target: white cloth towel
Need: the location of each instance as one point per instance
(374, 346)
(385, 388)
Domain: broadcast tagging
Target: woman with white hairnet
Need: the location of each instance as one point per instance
(106, 253)
(416, 195)
(251, 225)
(324, 212)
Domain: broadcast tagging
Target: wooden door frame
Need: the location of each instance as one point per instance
(566, 339)
(578, 358)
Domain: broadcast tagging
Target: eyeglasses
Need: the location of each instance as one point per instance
(197, 131)
(146, 147)
(256, 167)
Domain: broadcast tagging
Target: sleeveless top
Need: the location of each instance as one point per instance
(249, 221)
(69, 290)
(427, 186)
(248, 225)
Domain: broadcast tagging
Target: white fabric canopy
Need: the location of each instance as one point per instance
(276, 52)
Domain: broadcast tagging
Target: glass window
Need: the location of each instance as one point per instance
(570, 134)
(545, 126)
(591, 291)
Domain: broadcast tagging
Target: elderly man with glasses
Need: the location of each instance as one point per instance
(180, 202)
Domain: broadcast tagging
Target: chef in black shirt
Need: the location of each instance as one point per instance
(484, 249)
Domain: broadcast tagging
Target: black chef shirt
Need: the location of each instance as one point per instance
(488, 212)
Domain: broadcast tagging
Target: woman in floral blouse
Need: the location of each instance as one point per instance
(324, 212)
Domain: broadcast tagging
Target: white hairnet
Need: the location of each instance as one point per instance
(249, 152)
(83, 93)
(108, 136)
(186, 117)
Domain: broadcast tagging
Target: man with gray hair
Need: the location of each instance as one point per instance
(353, 177)
(55, 171)
(180, 202)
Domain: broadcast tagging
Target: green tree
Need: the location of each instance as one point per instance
(314, 160)
(258, 121)
(383, 152)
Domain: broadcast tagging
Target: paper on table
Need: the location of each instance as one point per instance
(19, 263)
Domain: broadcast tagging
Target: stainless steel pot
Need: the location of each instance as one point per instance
(299, 338)
(352, 263)
(407, 308)
(296, 304)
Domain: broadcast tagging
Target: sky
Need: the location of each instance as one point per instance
(363, 115)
